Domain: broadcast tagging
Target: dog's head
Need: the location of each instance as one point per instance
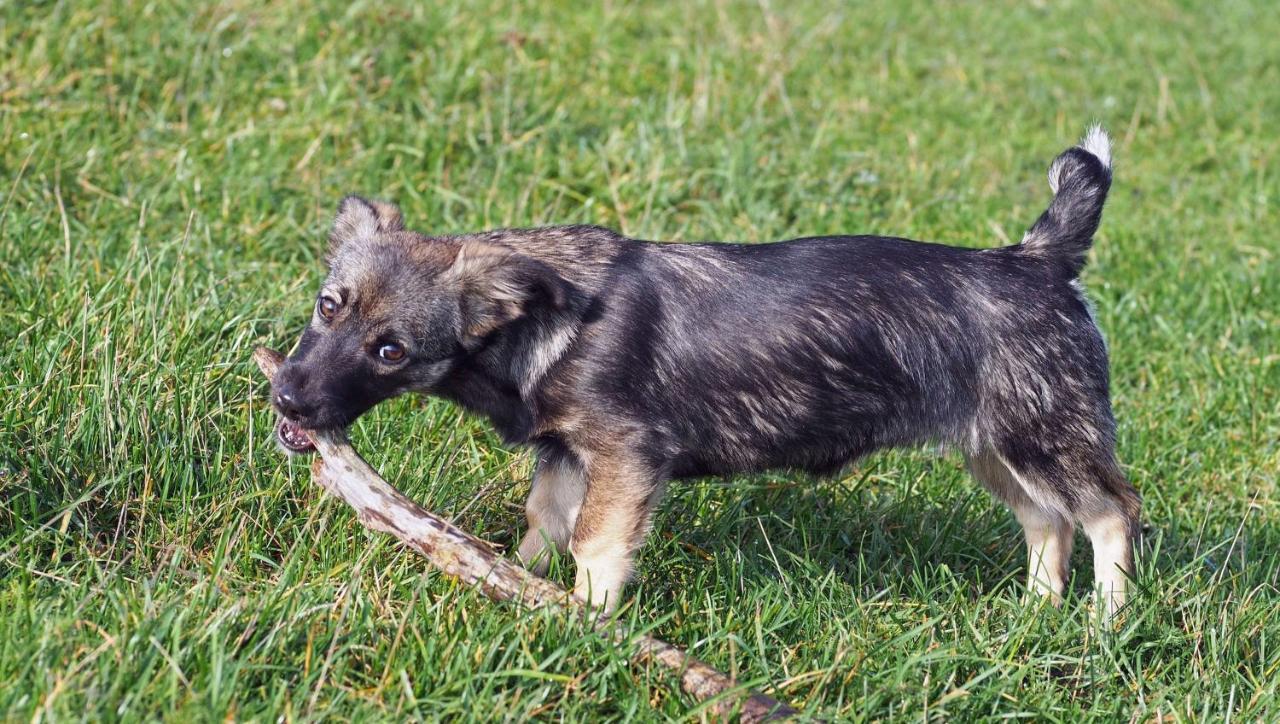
(399, 312)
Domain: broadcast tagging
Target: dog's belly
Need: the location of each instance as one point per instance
(821, 442)
(822, 459)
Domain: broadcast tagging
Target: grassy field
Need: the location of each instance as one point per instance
(168, 174)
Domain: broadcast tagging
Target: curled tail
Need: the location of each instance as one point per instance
(1080, 178)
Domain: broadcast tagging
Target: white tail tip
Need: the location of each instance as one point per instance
(1097, 142)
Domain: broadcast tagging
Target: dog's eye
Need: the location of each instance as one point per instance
(327, 307)
(391, 352)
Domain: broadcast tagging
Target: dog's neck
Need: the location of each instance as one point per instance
(501, 377)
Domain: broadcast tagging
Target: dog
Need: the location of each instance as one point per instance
(625, 364)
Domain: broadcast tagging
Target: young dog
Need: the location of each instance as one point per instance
(627, 363)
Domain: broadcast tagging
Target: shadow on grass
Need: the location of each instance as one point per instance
(901, 527)
(876, 535)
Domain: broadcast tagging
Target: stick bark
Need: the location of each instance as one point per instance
(379, 506)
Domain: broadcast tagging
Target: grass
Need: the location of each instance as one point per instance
(168, 174)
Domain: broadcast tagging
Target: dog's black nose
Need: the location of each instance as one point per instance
(288, 404)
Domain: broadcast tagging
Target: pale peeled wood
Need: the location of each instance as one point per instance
(379, 506)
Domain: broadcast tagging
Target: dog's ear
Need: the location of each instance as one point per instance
(500, 286)
(358, 217)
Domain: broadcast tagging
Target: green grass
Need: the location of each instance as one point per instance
(167, 177)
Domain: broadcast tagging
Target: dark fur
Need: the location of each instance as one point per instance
(629, 362)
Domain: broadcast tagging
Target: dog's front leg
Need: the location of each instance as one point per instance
(559, 484)
(622, 492)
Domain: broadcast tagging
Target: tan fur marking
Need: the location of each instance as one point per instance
(615, 517)
(1112, 559)
(552, 510)
(1048, 533)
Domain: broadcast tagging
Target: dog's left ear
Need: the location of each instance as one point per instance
(359, 217)
(500, 286)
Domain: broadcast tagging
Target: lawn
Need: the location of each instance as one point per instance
(168, 174)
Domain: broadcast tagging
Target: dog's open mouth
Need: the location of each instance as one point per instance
(293, 438)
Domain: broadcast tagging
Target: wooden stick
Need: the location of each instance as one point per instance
(379, 506)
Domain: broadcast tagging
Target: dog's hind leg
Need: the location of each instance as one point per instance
(1111, 521)
(559, 485)
(1048, 532)
(1084, 483)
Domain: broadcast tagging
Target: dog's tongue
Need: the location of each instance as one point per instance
(294, 437)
